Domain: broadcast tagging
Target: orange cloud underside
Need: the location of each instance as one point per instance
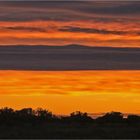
(67, 91)
(50, 33)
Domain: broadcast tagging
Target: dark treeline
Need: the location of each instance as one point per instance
(41, 123)
(9, 116)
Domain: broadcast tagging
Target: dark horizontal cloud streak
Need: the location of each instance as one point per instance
(99, 31)
(22, 28)
(70, 29)
(68, 58)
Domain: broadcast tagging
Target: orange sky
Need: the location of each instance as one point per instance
(106, 24)
(76, 32)
(66, 91)
(114, 24)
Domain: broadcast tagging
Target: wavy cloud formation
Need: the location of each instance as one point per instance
(87, 23)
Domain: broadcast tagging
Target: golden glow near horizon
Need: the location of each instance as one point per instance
(65, 91)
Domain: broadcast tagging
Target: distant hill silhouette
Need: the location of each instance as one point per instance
(69, 57)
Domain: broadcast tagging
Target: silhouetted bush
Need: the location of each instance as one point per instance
(45, 115)
(77, 117)
(112, 117)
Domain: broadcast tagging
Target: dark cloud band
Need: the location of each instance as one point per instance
(68, 58)
(70, 10)
(98, 31)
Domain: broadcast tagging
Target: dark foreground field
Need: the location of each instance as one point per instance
(67, 130)
(40, 123)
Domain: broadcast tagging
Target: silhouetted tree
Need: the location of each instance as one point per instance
(6, 115)
(44, 114)
(6, 111)
(111, 117)
(25, 114)
(78, 117)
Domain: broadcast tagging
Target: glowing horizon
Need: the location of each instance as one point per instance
(63, 92)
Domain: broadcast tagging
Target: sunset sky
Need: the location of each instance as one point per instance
(114, 24)
(68, 56)
(63, 92)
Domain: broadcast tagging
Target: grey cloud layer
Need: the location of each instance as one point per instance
(46, 10)
(68, 58)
